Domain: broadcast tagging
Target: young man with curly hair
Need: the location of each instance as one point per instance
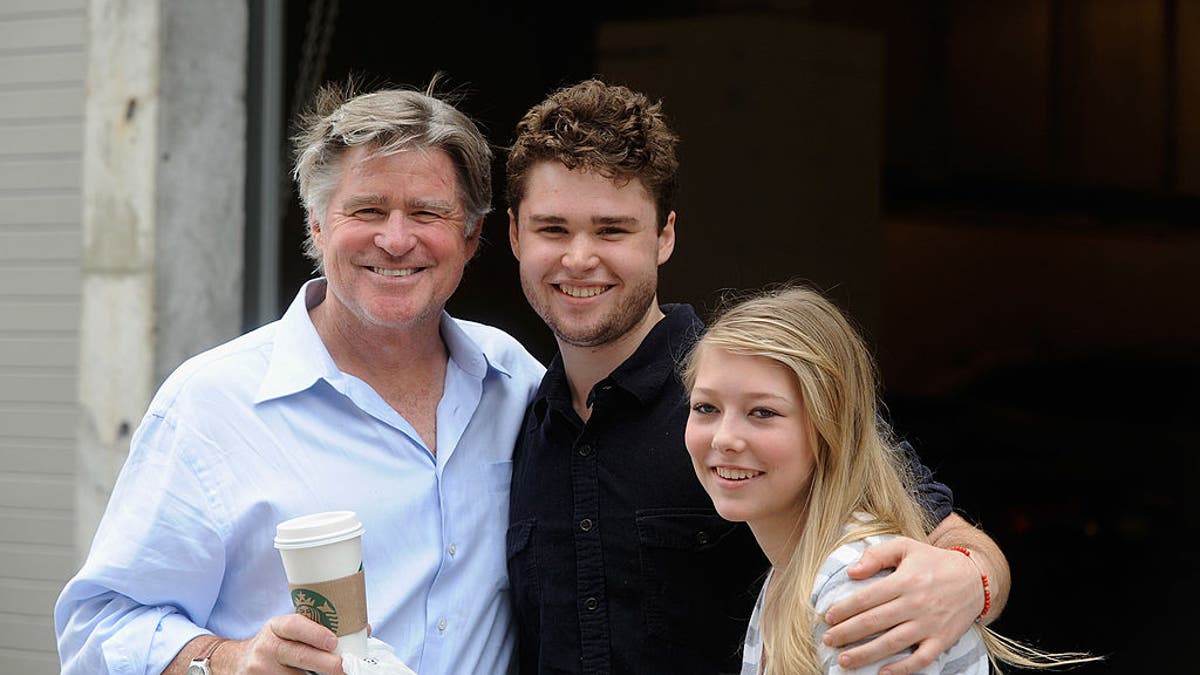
(617, 560)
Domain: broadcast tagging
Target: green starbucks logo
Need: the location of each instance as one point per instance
(315, 606)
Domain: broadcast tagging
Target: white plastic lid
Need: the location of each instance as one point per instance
(315, 529)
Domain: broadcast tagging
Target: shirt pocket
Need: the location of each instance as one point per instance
(497, 477)
(699, 573)
(523, 575)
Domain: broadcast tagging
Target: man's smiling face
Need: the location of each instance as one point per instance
(392, 239)
(589, 250)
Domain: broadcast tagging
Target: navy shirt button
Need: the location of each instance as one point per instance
(702, 537)
(591, 603)
(585, 450)
(585, 524)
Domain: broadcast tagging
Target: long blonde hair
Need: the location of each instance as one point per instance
(857, 466)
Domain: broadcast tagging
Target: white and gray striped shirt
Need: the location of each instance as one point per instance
(965, 657)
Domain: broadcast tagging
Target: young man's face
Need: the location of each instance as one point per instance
(589, 250)
(392, 239)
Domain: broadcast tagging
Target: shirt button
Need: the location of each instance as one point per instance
(702, 537)
(452, 550)
(585, 524)
(442, 626)
(585, 450)
(591, 603)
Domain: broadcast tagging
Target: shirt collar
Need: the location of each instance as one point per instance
(657, 359)
(465, 352)
(644, 373)
(299, 358)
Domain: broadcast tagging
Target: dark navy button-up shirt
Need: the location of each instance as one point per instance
(618, 561)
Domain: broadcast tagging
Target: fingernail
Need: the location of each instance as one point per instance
(885, 672)
(827, 640)
(331, 643)
(844, 660)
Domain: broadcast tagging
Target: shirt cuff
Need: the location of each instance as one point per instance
(173, 632)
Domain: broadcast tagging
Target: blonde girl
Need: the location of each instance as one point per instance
(784, 435)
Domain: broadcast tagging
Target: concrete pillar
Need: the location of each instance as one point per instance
(163, 214)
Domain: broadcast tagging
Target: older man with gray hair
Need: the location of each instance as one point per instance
(364, 396)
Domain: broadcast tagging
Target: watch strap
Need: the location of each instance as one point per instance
(203, 661)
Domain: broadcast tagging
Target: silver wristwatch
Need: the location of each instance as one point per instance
(200, 666)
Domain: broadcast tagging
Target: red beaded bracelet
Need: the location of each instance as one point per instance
(987, 593)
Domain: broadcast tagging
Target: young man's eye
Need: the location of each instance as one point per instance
(552, 229)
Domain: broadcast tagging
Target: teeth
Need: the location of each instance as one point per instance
(582, 291)
(382, 271)
(736, 474)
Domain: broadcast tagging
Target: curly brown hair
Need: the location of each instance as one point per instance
(594, 126)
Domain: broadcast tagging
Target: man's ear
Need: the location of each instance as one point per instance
(474, 239)
(666, 239)
(314, 226)
(513, 236)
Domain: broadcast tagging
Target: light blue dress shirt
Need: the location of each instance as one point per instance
(265, 428)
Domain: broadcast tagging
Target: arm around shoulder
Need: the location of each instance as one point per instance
(835, 584)
(955, 531)
(931, 599)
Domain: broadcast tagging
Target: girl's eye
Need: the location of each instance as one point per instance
(763, 413)
(704, 408)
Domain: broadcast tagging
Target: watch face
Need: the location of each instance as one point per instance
(197, 669)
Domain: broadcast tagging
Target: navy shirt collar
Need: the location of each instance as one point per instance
(642, 375)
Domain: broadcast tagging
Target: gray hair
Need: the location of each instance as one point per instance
(388, 121)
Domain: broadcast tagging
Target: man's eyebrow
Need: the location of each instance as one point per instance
(432, 204)
(552, 219)
(354, 202)
(614, 220)
(547, 219)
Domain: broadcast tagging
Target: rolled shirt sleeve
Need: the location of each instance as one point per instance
(155, 566)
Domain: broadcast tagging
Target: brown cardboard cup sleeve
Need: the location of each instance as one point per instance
(338, 604)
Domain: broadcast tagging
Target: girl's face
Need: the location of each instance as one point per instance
(747, 435)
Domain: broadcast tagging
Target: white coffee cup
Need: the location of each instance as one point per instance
(319, 548)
